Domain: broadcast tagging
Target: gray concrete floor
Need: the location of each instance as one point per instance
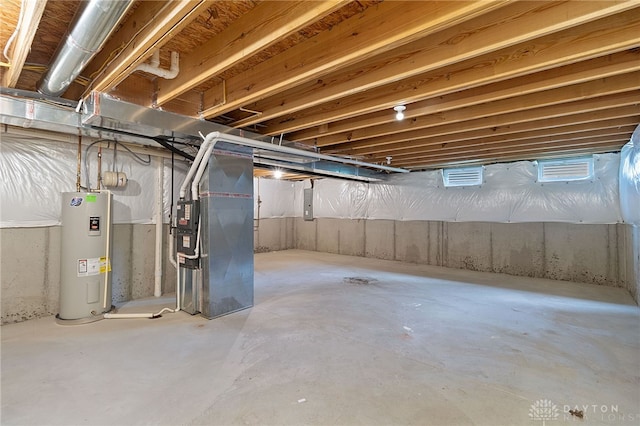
(341, 340)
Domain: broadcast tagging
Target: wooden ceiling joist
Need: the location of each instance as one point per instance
(590, 89)
(558, 151)
(482, 81)
(445, 143)
(572, 47)
(621, 106)
(526, 140)
(32, 13)
(261, 27)
(147, 30)
(378, 29)
(503, 153)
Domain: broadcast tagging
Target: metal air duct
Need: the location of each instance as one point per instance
(91, 27)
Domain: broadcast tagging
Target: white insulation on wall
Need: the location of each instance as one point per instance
(34, 172)
(630, 179)
(510, 193)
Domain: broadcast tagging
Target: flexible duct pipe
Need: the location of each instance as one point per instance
(91, 27)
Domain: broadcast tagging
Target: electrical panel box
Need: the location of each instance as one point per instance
(308, 204)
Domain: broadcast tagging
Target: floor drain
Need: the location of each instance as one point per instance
(358, 280)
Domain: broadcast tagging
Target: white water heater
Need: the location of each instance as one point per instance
(85, 271)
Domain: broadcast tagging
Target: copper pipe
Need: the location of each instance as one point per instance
(99, 165)
(79, 161)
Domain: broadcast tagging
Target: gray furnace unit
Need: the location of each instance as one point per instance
(221, 282)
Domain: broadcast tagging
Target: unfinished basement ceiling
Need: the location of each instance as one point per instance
(482, 81)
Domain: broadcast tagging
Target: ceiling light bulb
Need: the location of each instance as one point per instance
(399, 114)
(277, 174)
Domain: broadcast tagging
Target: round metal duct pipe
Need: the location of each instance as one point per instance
(93, 24)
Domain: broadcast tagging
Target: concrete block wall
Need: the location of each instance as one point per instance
(30, 268)
(598, 254)
(273, 234)
(629, 241)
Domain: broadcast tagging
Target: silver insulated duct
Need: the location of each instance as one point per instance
(91, 27)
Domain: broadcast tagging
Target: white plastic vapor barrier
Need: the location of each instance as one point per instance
(34, 172)
(273, 198)
(510, 193)
(630, 179)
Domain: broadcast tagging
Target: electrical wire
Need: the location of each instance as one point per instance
(136, 156)
(115, 149)
(5, 52)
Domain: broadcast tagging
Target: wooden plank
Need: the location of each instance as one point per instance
(614, 142)
(461, 140)
(264, 25)
(607, 107)
(549, 153)
(592, 69)
(430, 115)
(582, 43)
(132, 45)
(32, 14)
(378, 29)
(473, 148)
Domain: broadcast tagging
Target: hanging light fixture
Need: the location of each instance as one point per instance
(277, 173)
(399, 111)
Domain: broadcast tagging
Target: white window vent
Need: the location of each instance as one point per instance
(565, 170)
(464, 176)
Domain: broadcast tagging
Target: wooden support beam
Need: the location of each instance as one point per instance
(573, 134)
(607, 107)
(261, 27)
(614, 142)
(585, 42)
(450, 133)
(548, 153)
(32, 13)
(430, 113)
(593, 69)
(537, 129)
(380, 28)
(152, 24)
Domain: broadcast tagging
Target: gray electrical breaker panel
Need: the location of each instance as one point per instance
(308, 204)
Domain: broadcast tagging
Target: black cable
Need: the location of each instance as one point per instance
(173, 149)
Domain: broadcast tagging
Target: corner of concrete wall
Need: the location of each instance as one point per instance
(629, 255)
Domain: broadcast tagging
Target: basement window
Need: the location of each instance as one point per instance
(463, 176)
(565, 170)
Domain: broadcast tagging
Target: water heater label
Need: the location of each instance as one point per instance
(94, 225)
(76, 201)
(93, 266)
